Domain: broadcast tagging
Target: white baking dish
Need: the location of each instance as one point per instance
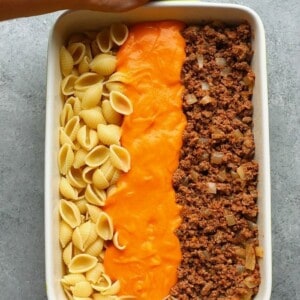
(189, 12)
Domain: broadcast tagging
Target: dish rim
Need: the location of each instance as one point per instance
(266, 156)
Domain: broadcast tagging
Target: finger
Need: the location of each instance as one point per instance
(115, 5)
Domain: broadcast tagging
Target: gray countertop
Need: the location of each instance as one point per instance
(23, 54)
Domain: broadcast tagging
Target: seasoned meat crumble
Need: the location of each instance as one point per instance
(216, 180)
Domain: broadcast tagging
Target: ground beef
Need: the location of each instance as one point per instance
(216, 180)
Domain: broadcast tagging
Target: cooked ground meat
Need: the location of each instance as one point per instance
(216, 180)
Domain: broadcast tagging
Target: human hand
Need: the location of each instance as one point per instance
(107, 5)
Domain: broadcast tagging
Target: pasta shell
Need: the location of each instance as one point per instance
(83, 66)
(87, 174)
(66, 61)
(67, 85)
(87, 138)
(100, 296)
(68, 294)
(86, 80)
(113, 289)
(72, 279)
(75, 72)
(84, 235)
(72, 127)
(66, 114)
(65, 158)
(76, 251)
(111, 190)
(108, 170)
(120, 157)
(103, 284)
(104, 64)
(82, 289)
(99, 180)
(114, 86)
(79, 159)
(80, 194)
(65, 139)
(69, 213)
(82, 298)
(77, 50)
(104, 226)
(116, 242)
(101, 256)
(88, 50)
(115, 177)
(77, 239)
(85, 230)
(104, 41)
(79, 94)
(92, 237)
(92, 96)
(93, 211)
(118, 33)
(120, 103)
(74, 176)
(95, 248)
(65, 233)
(109, 134)
(97, 156)
(95, 48)
(110, 115)
(76, 105)
(118, 77)
(94, 274)
(92, 117)
(81, 204)
(82, 263)
(95, 196)
(67, 254)
(66, 190)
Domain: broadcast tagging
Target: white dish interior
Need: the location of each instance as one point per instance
(189, 12)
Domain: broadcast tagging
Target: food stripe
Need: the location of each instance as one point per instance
(143, 207)
(181, 221)
(217, 176)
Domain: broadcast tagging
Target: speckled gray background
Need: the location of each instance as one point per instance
(23, 53)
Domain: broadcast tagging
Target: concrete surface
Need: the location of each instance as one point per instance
(23, 53)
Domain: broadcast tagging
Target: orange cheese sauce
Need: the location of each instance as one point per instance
(143, 208)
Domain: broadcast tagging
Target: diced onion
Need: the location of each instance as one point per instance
(225, 71)
(252, 225)
(240, 252)
(250, 282)
(237, 133)
(234, 174)
(240, 269)
(204, 156)
(248, 81)
(191, 99)
(194, 175)
(230, 219)
(247, 296)
(241, 172)
(221, 61)
(216, 157)
(200, 60)
(206, 100)
(212, 187)
(203, 140)
(222, 175)
(204, 86)
(250, 259)
(259, 251)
